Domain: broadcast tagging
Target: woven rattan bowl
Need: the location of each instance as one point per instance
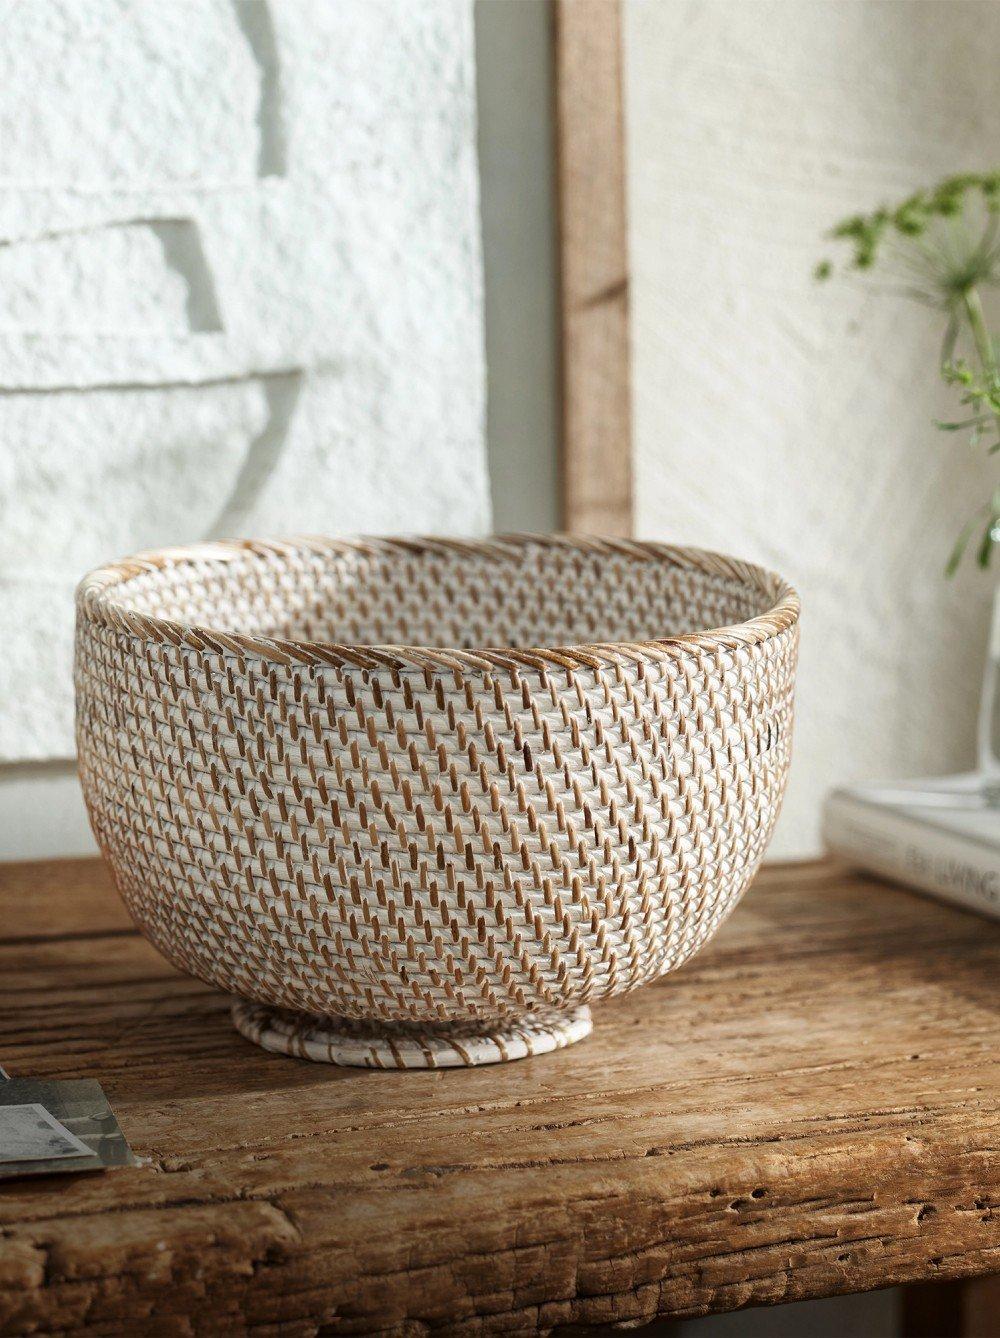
(397, 854)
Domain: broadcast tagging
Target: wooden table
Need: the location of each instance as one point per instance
(811, 1106)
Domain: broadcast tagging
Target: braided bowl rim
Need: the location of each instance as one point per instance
(95, 598)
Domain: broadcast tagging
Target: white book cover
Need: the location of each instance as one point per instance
(936, 836)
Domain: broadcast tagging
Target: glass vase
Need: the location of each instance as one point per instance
(988, 731)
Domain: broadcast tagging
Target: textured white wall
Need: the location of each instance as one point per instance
(240, 292)
(788, 423)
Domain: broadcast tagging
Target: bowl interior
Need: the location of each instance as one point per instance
(438, 593)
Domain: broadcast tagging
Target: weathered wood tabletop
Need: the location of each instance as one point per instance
(811, 1106)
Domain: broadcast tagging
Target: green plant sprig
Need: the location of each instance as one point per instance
(942, 247)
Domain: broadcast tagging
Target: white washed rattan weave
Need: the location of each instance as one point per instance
(414, 855)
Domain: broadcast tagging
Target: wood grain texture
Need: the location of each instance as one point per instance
(593, 267)
(811, 1106)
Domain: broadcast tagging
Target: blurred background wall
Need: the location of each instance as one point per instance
(789, 423)
(229, 304)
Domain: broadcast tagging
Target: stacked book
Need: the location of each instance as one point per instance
(941, 837)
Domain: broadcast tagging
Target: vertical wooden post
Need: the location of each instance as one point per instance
(968, 1309)
(593, 266)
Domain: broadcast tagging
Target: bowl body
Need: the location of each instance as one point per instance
(306, 800)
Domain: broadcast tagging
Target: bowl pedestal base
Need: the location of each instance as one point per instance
(363, 1044)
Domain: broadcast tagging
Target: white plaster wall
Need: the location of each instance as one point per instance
(240, 292)
(789, 423)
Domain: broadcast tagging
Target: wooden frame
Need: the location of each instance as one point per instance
(596, 469)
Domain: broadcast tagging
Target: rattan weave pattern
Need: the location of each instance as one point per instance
(308, 799)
